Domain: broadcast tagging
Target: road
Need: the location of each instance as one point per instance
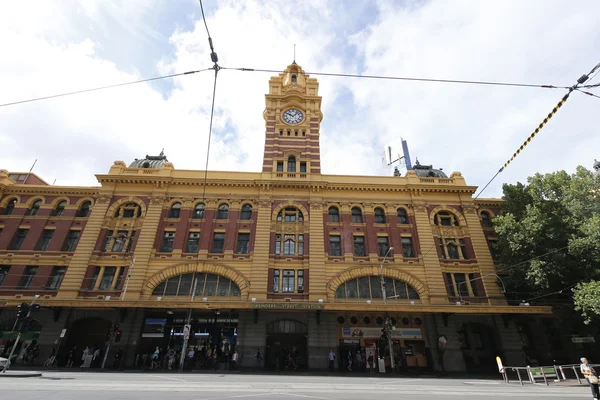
(92, 386)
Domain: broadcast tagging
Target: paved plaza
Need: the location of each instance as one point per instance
(91, 386)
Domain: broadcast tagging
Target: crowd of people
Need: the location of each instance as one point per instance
(196, 358)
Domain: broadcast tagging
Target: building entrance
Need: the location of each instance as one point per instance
(478, 347)
(286, 345)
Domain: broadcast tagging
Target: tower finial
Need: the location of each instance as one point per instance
(294, 54)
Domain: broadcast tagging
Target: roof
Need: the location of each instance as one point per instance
(427, 171)
(150, 161)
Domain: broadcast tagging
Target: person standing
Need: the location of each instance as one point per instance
(170, 357)
(331, 359)
(258, 358)
(590, 375)
(370, 362)
(234, 359)
(349, 360)
(155, 358)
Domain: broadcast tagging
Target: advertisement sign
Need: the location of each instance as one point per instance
(375, 332)
(154, 327)
(583, 339)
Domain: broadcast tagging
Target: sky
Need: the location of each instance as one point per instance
(66, 45)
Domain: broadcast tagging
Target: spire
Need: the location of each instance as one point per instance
(294, 62)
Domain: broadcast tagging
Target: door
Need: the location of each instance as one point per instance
(287, 345)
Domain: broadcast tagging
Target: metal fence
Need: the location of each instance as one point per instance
(544, 374)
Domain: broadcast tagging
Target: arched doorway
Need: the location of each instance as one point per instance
(87, 332)
(479, 347)
(286, 345)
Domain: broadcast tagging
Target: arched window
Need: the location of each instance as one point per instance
(84, 210)
(198, 211)
(175, 210)
(379, 216)
(294, 79)
(130, 210)
(246, 213)
(59, 209)
(357, 215)
(445, 218)
(289, 246)
(206, 285)
(10, 206)
(402, 216)
(291, 164)
(333, 215)
(35, 207)
(223, 212)
(486, 220)
(369, 287)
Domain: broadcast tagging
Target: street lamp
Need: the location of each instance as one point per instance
(388, 322)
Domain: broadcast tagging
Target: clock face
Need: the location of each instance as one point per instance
(293, 116)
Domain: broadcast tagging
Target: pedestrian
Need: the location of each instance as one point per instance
(331, 360)
(258, 358)
(370, 362)
(234, 359)
(155, 358)
(590, 374)
(71, 357)
(349, 360)
(170, 357)
(359, 361)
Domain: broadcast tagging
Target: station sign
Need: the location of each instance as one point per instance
(287, 306)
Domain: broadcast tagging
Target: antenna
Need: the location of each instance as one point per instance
(294, 53)
(401, 161)
(31, 169)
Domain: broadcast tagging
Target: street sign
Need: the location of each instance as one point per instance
(186, 331)
(63, 333)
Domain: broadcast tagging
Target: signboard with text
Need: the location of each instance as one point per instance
(375, 332)
(287, 306)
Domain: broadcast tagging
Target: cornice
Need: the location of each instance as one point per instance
(49, 190)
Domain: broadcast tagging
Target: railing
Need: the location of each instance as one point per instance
(556, 373)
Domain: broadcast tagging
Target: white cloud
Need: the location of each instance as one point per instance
(467, 128)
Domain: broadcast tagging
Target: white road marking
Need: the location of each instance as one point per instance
(483, 383)
(305, 396)
(168, 377)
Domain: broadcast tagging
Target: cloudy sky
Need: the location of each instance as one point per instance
(57, 46)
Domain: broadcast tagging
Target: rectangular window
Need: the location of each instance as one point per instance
(276, 281)
(93, 279)
(277, 244)
(45, 240)
(167, 244)
(473, 281)
(71, 242)
(290, 217)
(407, 247)
(289, 245)
(193, 243)
(383, 246)
(288, 281)
(120, 241)
(279, 166)
(27, 277)
(463, 248)
(218, 243)
(494, 249)
(106, 245)
(301, 281)
(120, 278)
(58, 273)
(130, 242)
(450, 284)
(302, 167)
(19, 239)
(243, 243)
(335, 245)
(4, 273)
(300, 245)
(461, 284)
(107, 278)
(359, 246)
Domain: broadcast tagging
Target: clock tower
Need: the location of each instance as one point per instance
(293, 118)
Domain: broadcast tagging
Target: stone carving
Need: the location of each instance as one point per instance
(421, 208)
(470, 209)
(103, 199)
(316, 206)
(158, 201)
(264, 203)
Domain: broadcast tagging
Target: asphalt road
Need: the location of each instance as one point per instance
(148, 386)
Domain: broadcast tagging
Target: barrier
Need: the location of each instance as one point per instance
(546, 373)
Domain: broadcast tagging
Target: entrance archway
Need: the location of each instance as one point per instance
(479, 347)
(87, 332)
(286, 345)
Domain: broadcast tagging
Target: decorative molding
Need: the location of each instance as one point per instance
(158, 201)
(103, 199)
(470, 209)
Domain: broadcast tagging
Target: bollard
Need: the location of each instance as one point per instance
(518, 375)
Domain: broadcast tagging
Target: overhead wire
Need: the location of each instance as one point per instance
(563, 289)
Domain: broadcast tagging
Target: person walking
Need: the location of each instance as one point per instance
(370, 362)
(349, 360)
(590, 375)
(170, 357)
(234, 360)
(331, 359)
(258, 358)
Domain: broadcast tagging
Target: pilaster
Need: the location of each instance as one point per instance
(316, 263)
(262, 242)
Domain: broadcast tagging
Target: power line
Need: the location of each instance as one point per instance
(102, 87)
(403, 78)
(588, 93)
(563, 289)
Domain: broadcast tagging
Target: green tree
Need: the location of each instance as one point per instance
(554, 222)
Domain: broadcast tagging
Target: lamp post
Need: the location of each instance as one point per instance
(388, 322)
(187, 329)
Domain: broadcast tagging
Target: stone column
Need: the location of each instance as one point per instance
(262, 242)
(317, 277)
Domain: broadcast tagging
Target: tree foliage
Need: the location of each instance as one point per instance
(553, 222)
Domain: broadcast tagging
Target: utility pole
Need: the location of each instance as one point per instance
(388, 322)
(187, 329)
(14, 347)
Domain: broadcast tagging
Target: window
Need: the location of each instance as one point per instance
(277, 244)
(107, 278)
(167, 244)
(243, 243)
(335, 245)
(45, 240)
(71, 241)
(198, 211)
(280, 166)
(356, 215)
(35, 207)
(27, 277)
(289, 245)
(453, 249)
(293, 78)
(120, 278)
(291, 167)
(290, 214)
(223, 211)
(60, 208)
(193, 243)
(494, 249)
(121, 241)
(92, 280)
(287, 284)
(383, 246)
(302, 167)
(486, 220)
(474, 282)
(300, 245)
(379, 216)
(359, 246)
(407, 247)
(402, 216)
(175, 210)
(276, 281)
(333, 215)
(3, 273)
(445, 218)
(369, 287)
(206, 285)
(84, 210)
(301, 281)
(463, 285)
(218, 243)
(19, 239)
(130, 210)
(56, 278)
(246, 213)
(10, 206)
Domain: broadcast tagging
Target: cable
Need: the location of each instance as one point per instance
(213, 55)
(563, 289)
(401, 78)
(588, 93)
(212, 111)
(102, 88)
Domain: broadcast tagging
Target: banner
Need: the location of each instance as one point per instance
(375, 332)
